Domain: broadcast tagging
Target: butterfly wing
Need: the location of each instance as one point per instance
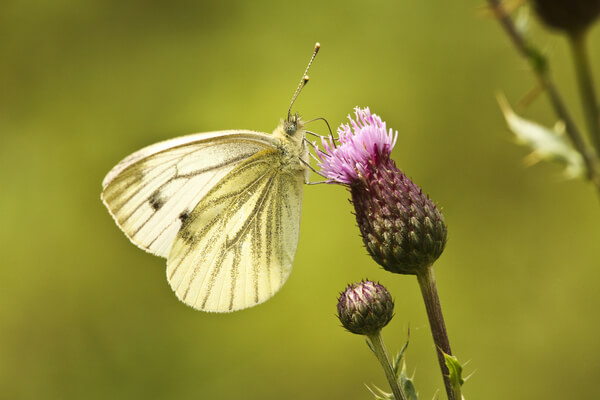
(236, 248)
(149, 192)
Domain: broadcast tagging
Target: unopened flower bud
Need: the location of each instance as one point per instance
(568, 15)
(364, 308)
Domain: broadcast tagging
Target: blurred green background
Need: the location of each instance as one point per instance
(85, 314)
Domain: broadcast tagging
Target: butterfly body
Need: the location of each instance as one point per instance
(222, 207)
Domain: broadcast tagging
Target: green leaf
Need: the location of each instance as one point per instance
(386, 396)
(455, 370)
(399, 357)
(408, 387)
(370, 345)
(545, 143)
(399, 369)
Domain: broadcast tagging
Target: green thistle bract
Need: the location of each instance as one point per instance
(364, 308)
(400, 226)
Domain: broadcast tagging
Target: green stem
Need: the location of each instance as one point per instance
(436, 322)
(586, 85)
(382, 356)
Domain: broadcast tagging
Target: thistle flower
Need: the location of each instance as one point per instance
(401, 227)
(364, 308)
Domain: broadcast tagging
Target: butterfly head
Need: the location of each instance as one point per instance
(292, 124)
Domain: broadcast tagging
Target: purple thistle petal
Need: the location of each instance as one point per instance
(363, 142)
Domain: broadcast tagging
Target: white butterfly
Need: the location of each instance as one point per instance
(222, 207)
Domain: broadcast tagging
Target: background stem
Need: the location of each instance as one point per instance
(540, 69)
(586, 85)
(381, 353)
(436, 322)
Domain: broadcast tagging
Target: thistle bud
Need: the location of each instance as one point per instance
(401, 227)
(364, 308)
(568, 15)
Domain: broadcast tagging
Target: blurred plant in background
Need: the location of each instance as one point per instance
(573, 19)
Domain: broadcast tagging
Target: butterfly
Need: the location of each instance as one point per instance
(222, 207)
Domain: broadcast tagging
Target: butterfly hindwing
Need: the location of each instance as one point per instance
(236, 248)
(150, 192)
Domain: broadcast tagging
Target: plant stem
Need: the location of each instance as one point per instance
(436, 322)
(586, 85)
(540, 69)
(379, 349)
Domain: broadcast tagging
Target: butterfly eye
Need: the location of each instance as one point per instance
(291, 125)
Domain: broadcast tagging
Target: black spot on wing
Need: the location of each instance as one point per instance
(156, 200)
(187, 236)
(185, 233)
(184, 216)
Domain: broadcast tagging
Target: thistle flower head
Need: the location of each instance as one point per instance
(362, 141)
(400, 226)
(364, 308)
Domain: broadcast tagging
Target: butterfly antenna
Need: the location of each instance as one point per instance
(328, 127)
(304, 79)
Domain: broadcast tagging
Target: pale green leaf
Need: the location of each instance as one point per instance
(380, 395)
(545, 143)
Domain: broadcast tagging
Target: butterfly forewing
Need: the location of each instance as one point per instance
(236, 248)
(150, 192)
